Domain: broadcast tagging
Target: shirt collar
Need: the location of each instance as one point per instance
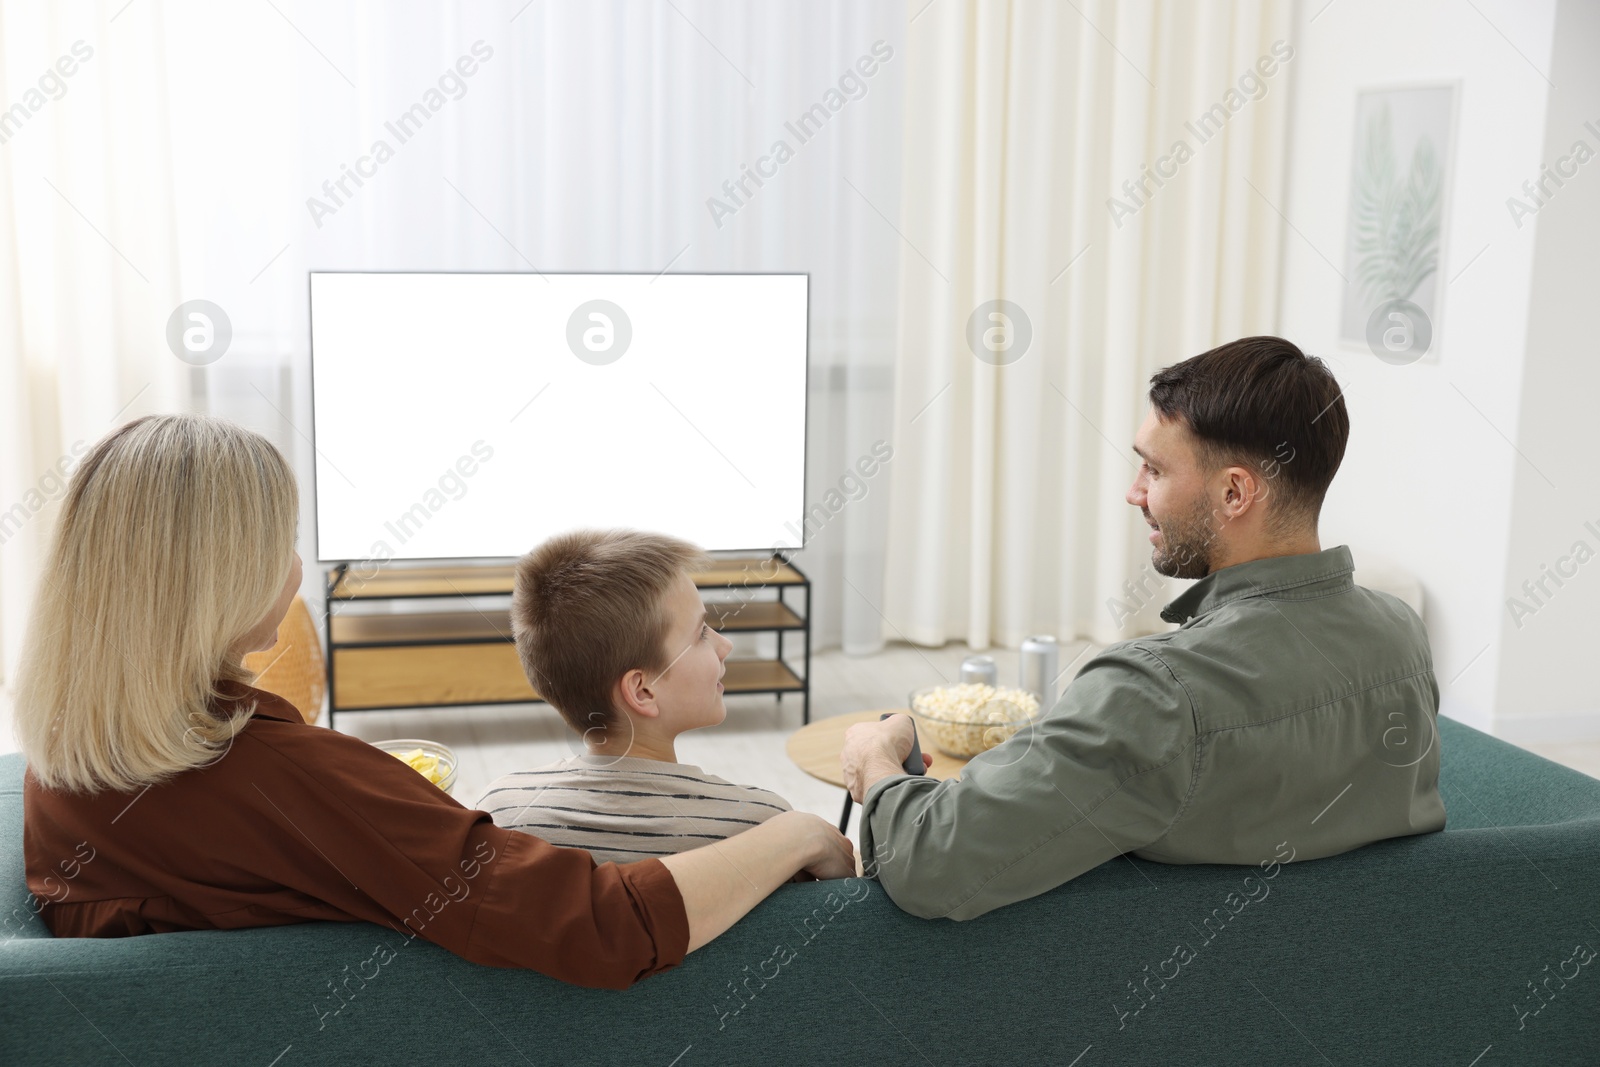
(632, 763)
(1331, 567)
(268, 705)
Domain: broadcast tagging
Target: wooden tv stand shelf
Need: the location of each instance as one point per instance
(461, 654)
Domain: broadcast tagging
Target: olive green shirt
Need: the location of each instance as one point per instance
(1291, 706)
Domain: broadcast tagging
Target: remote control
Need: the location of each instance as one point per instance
(913, 763)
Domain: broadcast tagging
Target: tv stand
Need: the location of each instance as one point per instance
(460, 654)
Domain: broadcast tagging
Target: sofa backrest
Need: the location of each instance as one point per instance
(19, 915)
(1418, 949)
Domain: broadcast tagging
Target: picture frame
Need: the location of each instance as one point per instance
(1402, 168)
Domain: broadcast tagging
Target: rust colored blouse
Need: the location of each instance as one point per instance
(296, 823)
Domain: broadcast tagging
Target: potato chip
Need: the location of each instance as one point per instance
(423, 763)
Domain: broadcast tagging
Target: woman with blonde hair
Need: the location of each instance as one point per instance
(206, 803)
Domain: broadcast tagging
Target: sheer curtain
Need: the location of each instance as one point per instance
(588, 137)
(88, 261)
(1029, 125)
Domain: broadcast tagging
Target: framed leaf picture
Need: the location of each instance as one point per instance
(1400, 181)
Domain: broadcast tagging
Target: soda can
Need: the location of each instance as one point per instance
(980, 669)
(1040, 662)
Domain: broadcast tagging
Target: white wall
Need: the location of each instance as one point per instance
(1546, 689)
(1428, 478)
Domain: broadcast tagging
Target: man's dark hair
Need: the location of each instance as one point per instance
(1261, 401)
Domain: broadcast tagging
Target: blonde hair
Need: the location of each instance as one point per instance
(589, 606)
(174, 541)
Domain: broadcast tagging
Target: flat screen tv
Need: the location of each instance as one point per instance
(473, 415)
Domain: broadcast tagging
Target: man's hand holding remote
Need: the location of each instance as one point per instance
(876, 750)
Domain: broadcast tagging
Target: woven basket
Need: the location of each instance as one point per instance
(293, 668)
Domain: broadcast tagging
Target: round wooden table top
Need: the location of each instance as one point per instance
(815, 748)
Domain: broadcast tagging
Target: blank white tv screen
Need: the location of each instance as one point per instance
(475, 415)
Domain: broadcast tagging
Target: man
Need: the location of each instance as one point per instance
(1291, 708)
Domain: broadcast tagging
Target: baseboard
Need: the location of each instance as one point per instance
(1463, 712)
(1576, 726)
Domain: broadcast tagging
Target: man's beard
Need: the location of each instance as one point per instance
(1185, 549)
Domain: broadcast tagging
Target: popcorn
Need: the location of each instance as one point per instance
(964, 720)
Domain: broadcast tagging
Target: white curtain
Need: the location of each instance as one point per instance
(590, 139)
(1024, 119)
(88, 260)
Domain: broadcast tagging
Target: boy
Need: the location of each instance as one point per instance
(612, 632)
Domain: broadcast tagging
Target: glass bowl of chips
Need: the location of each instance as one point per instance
(434, 761)
(964, 720)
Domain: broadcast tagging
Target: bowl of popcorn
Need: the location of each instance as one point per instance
(964, 720)
(435, 762)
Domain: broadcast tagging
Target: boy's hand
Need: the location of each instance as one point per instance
(877, 750)
(832, 855)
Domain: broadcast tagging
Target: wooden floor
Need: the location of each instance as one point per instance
(747, 748)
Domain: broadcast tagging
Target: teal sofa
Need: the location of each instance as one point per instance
(1466, 947)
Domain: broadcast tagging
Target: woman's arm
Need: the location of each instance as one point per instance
(721, 882)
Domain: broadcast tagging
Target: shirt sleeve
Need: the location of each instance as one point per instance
(348, 824)
(1106, 771)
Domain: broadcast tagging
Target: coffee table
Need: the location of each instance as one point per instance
(815, 750)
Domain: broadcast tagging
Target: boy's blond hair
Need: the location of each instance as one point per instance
(590, 605)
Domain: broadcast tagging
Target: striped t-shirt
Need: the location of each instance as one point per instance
(623, 809)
